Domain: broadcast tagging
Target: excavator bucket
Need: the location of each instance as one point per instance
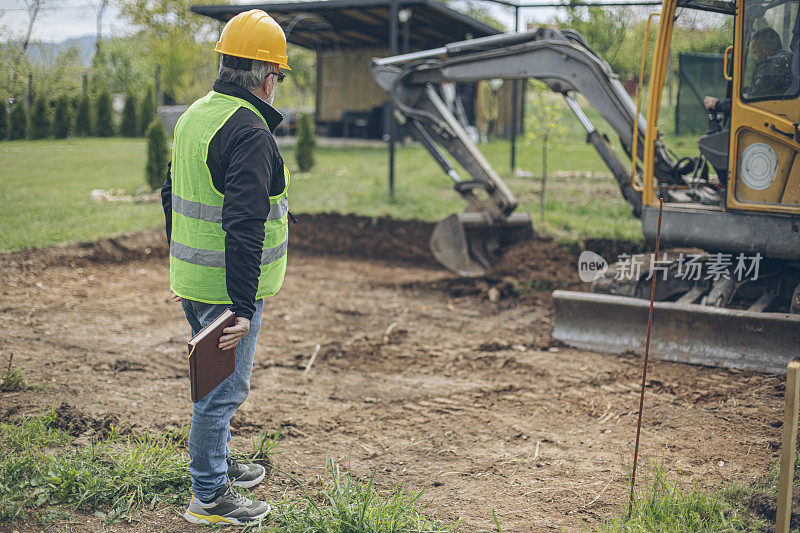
(468, 243)
(688, 333)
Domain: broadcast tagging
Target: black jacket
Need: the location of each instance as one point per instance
(246, 167)
(772, 77)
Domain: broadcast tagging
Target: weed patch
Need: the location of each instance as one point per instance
(32, 434)
(345, 503)
(113, 477)
(665, 506)
(116, 476)
(13, 380)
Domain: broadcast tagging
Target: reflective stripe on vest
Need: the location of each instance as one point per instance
(213, 213)
(197, 243)
(215, 259)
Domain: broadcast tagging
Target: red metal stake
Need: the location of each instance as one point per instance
(646, 355)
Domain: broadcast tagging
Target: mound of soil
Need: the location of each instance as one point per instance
(135, 246)
(71, 420)
(528, 270)
(543, 261)
(375, 238)
(765, 506)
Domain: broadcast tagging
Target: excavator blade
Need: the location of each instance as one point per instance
(468, 243)
(688, 333)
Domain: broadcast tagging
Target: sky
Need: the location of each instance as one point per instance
(76, 18)
(65, 19)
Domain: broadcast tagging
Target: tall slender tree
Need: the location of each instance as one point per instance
(18, 125)
(147, 112)
(306, 142)
(62, 123)
(40, 118)
(128, 127)
(157, 157)
(103, 115)
(3, 120)
(83, 117)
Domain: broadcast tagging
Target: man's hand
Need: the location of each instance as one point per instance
(710, 102)
(234, 333)
(175, 297)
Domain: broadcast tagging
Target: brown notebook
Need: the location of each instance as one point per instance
(208, 365)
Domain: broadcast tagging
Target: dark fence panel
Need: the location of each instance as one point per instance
(699, 75)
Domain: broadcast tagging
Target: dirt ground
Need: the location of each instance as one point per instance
(450, 385)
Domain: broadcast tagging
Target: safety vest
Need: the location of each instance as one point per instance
(197, 243)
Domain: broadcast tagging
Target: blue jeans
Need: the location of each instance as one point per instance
(211, 416)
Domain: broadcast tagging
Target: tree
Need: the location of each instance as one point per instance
(3, 120)
(304, 69)
(305, 142)
(104, 115)
(99, 8)
(178, 41)
(83, 121)
(544, 123)
(18, 125)
(62, 123)
(53, 71)
(33, 7)
(148, 111)
(606, 29)
(40, 118)
(156, 168)
(478, 11)
(123, 64)
(129, 127)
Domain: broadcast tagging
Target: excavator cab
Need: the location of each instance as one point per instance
(768, 80)
(754, 150)
(763, 74)
(766, 109)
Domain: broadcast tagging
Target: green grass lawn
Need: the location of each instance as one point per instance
(46, 186)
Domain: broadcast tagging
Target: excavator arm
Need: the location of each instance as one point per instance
(561, 59)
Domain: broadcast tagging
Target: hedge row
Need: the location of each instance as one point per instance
(81, 117)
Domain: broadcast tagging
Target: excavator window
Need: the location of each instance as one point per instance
(771, 69)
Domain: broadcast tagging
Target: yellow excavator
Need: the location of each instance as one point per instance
(733, 210)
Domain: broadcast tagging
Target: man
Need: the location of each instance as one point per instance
(226, 206)
(772, 75)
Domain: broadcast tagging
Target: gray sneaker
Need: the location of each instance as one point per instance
(227, 508)
(245, 475)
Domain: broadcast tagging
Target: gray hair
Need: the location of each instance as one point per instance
(247, 79)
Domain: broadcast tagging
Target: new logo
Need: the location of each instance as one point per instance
(591, 266)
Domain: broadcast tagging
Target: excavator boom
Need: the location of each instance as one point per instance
(468, 243)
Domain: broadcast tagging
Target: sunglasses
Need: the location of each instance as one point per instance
(280, 76)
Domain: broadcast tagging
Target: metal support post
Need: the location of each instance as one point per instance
(393, 16)
(514, 108)
(159, 96)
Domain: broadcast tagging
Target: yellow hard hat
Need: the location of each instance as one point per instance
(254, 35)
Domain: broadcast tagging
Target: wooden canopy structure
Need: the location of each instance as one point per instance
(346, 34)
(363, 23)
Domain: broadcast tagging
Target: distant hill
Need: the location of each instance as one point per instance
(38, 51)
